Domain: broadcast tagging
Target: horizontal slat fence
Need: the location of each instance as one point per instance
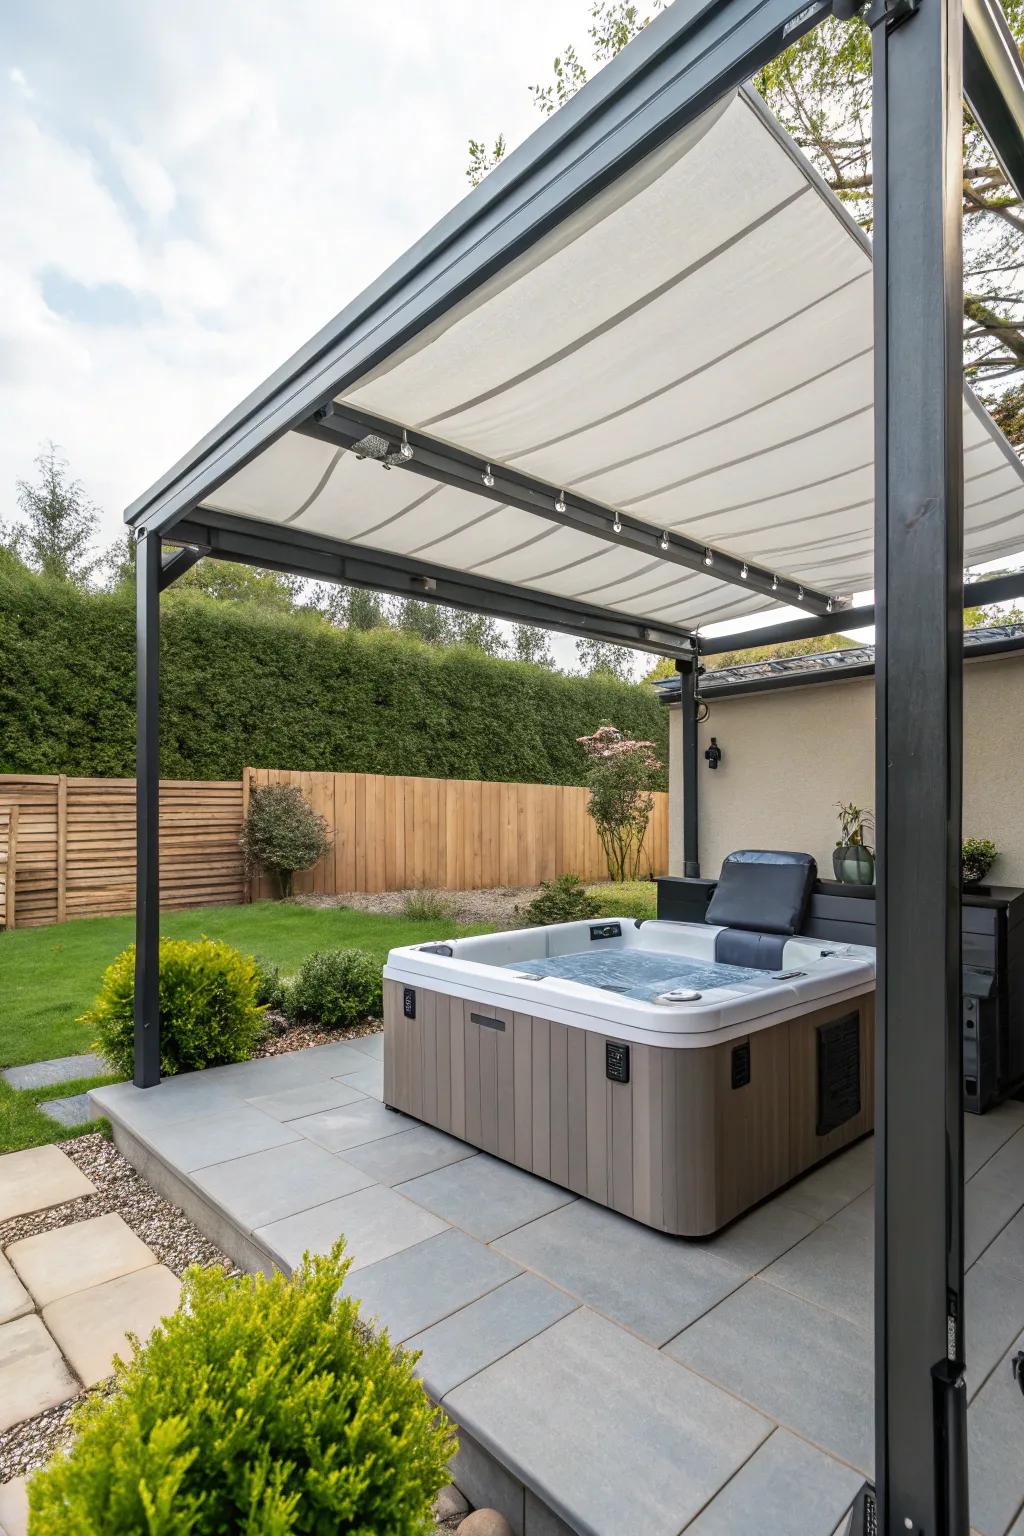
(8, 862)
(396, 833)
(76, 845)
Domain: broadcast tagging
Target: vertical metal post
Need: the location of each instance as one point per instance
(147, 811)
(918, 275)
(689, 672)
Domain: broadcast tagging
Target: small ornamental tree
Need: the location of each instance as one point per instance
(621, 774)
(283, 834)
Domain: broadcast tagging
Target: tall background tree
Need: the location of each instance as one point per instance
(56, 532)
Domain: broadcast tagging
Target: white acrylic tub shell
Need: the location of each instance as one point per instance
(483, 970)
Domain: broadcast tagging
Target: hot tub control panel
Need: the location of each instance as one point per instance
(616, 1061)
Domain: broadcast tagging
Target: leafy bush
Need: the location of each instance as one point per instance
(977, 855)
(283, 834)
(621, 774)
(271, 987)
(428, 907)
(336, 988)
(262, 1405)
(240, 682)
(209, 1010)
(565, 900)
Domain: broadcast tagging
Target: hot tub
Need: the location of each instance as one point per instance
(622, 1060)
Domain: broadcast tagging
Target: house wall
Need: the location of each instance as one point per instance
(789, 754)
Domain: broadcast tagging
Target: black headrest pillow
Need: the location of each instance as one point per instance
(763, 890)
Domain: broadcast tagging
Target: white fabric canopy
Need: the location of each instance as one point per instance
(694, 348)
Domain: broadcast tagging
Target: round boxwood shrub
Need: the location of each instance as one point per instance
(209, 1008)
(565, 900)
(262, 1405)
(336, 988)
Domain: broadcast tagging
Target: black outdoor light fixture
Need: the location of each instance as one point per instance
(713, 754)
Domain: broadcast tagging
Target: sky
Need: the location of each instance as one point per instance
(191, 190)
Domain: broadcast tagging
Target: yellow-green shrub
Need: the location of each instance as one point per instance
(262, 1406)
(209, 1013)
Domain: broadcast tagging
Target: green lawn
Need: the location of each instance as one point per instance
(49, 976)
(633, 898)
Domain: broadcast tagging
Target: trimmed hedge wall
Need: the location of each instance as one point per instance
(241, 686)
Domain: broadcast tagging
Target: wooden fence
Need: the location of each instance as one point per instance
(395, 834)
(75, 854)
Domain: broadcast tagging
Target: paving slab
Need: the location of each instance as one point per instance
(369, 1080)
(985, 1134)
(14, 1299)
(993, 1315)
(995, 1432)
(62, 1069)
(428, 1281)
(827, 1188)
(627, 1441)
(652, 1283)
(787, 1487)
(33, 1372)
(352, 1125)
(186, 1097)
(373, 1046)
(278, 1182)
(758, 1238)
(810, 1370)
(269, 1074)
(1008, 1247)
(459, 1346)
(835, 1265)
(307, 1099)
(76, 1109)
(91, 1326)
(987, 1210)
(394, 1159)
(38, 1178)
(68, 1259)
(486, 1197)
(14, 1507)
(375, 1223)
(205, 1139)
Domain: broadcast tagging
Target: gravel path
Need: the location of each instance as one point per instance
(494, 906)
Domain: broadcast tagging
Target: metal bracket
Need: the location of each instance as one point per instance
(875, 11)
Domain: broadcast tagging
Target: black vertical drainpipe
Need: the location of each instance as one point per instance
(687, 668)
(921, 1461)
(147, 811)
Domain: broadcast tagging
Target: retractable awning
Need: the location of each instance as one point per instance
(662, 409)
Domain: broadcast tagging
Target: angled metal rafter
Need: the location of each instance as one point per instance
(224, 536)
(417, 454)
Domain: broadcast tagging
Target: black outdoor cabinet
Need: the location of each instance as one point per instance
(992, 1008)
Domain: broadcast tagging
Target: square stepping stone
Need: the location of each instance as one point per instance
(352, 1125)
(91, 1326)
(14, 1299)
(37, 1178)
(33, 1372)
(787, 1487)
(375, 1223)
(62, 1069)
(577, 1408)
(68, 1259)
(307, 1099)
(75, 1110)
(14, 1507)
(459, 1346)
(428, 1281)
(486, 1197)
(267, 1186)
(652, 1283)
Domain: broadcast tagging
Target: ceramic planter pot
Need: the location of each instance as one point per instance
(854, 864)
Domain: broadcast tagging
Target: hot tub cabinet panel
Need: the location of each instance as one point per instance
(691, 1139)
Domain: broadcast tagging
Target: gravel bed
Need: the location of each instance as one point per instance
(168, 1232)
(283, 1037)
(493, 906)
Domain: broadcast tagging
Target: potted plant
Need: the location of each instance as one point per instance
(977, 855)
(852, 860)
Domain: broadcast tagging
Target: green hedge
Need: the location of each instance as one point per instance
(243, 686)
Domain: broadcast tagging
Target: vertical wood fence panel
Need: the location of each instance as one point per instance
(399, 833)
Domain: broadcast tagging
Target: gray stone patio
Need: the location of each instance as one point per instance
(607, 1380)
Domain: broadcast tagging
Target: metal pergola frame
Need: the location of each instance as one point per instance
(926, 54)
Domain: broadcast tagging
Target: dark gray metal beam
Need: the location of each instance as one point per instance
(990, 589)
(319, 558)
(994, 84)
(442, 464)
(175, 562)
(689, 57)
(920, 1404)
(688, 679)
(147, 812)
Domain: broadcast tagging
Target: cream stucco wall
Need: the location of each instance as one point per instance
(789, 754)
